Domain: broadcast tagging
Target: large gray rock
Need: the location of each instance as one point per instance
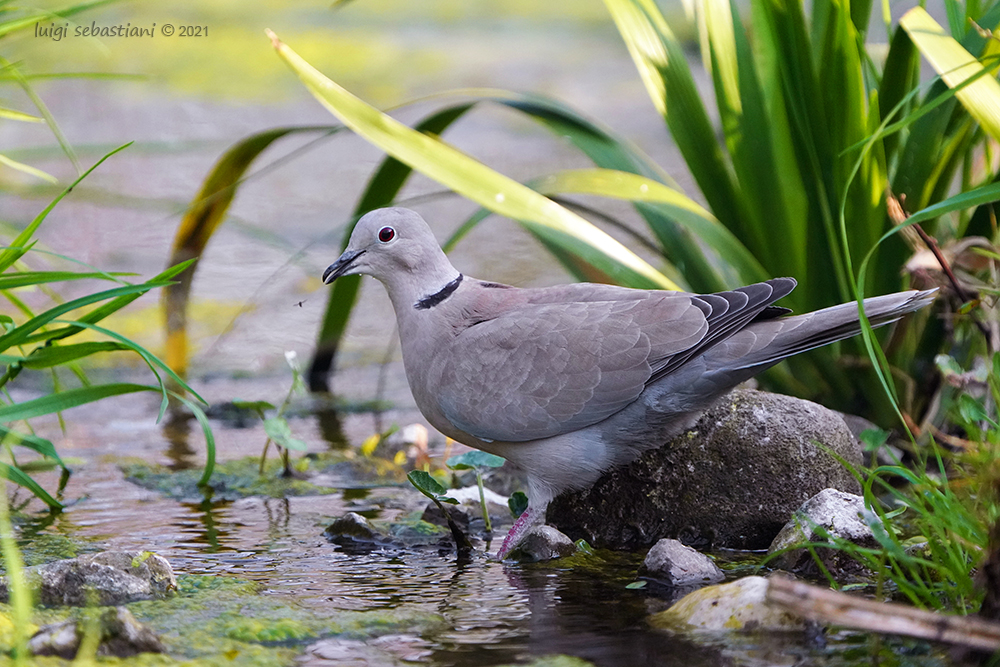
(731, 481)
(107, 578)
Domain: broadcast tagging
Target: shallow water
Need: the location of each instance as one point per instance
(493, 613)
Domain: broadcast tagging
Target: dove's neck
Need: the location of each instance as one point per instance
(424, 288)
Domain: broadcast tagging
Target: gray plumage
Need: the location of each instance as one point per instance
(565, 382)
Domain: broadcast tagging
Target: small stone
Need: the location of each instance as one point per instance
(107, 578)
(143, 564)
(736, 606)
(544, 543)
(828, 514)
(677, 565)
(121, 636)
(351, 528)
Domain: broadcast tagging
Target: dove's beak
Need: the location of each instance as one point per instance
(342, 266)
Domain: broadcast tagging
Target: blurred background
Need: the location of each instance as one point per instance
(184, 100)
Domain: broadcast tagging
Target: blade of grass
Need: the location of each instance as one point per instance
(678, 207)
(32, 442)
(65, 400)
(981, 97)
(19, 245)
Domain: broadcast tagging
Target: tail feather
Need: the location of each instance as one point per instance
(776, 339)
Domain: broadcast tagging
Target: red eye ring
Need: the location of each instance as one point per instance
(386, 234)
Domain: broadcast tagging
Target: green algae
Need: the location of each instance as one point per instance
(226, 620)
(556, 661)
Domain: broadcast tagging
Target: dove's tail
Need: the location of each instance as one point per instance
(766, 342)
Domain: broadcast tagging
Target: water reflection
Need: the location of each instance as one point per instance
(206, 525)
(177, 433)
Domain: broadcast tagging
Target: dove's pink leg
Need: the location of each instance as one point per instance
(528, 520)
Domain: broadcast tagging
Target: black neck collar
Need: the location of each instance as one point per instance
(432, 300)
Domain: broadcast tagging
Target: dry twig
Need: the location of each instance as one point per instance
(833, 607)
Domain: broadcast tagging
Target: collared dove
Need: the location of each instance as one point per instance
(566, 382)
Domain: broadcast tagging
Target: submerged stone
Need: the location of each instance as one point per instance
(543, 543)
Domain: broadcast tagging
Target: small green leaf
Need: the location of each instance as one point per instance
(475, 459)
(518, 502)
(280, 432)
(636, 585)
(971, 410)
(873, 438)
(429, 486)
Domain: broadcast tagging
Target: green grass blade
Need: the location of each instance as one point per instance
(479, 183)
(151, 360)
(20, 334)
(204, 215)
(30, 20)
(22, 479)
(206, 429)
(678, 208)
(663, 68)
(20, 245)
(111, 307)
(56, 355)
(44, 110)
(65, 400)
(981, 97)
(26, 278)
(27, 169)
(32, 442)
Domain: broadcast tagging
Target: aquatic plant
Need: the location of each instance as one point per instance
(423, 482)
(277, 429)
(478, 461)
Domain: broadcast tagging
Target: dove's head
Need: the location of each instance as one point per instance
(397, 247)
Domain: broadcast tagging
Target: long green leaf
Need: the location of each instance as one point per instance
(20, 334)
(32, 442)
(28, 21)
(20, 245)
(474, 180)
(65, 400)
(104, 310)
(56, 355)
(26, 278)
(682, 209)
(151, 360)
(663, 68)
(981, 97)
(204, 215)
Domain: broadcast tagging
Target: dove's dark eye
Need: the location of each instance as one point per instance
(386, 234)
